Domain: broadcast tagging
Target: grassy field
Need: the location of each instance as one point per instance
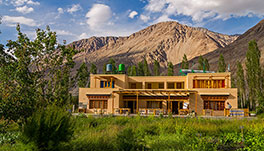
(154, 133)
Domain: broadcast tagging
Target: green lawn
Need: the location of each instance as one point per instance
(155, 133)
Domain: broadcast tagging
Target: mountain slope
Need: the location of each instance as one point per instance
(236, 51)
(166, 41)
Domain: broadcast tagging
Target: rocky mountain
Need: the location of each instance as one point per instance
(166, 41)
(236, 51)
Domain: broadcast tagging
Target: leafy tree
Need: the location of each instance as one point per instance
(170, 69)
(129, 70)
(34, 73)
(253, 75)
(134, 70)
(146, 68)
(48, 128)
(82, 75)
(140, 69)
(156, 68)
(93, 69)
(185, 63)
(241, 85)
(221, 64)
(206, 65)
(201, 63)
(104, 68)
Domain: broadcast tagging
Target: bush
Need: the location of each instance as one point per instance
(127, 140)
(47, 128)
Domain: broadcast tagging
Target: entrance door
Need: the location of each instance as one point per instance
(175, 107)
(132, 105)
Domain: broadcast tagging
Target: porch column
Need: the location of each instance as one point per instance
(113, 103)
(137, 102)
(168, 102)
(195, 102)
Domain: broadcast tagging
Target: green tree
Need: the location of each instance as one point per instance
(82, 76)
(104, 68)
(241, 85)
(156, 68)
(201, 63)
(140, 69)
(134, 70)
(221, 64)
(93, 69)
(129, 70)
(146, 68)
(185, 62)
(170, 69)
(34, 73)
(206, 65)
(253, 75)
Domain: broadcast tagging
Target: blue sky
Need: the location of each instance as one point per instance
(78, 19)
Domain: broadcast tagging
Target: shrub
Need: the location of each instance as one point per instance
(47, 128)
(127, 140)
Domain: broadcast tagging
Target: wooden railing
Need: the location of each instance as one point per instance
(122, 110)
(236, 112)
(148, 111)
(99, 111)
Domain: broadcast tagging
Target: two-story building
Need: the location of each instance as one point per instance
(195, 92)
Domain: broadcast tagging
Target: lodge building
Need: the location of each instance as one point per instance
(202, 93)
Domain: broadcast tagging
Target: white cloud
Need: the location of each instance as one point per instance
(60, 10)
(83, 36)
(144, 18)
(98, 16)
(13, 20)
(22, 2)
(163, 18)
(24, 9)
(63, 32)
(133, 14)
(199, 10)
(74, 8)
(32, 3)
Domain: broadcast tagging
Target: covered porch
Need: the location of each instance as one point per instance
(153, 102)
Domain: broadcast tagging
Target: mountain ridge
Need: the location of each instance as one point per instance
(165, 41)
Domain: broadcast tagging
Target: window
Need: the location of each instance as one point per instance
(102, 104)
(171, 85)
(175, 85)
(133, 86)
(107, 84)
(161, 85)
(154, 104)
(180, 85)
(209, 84)
(149, 85)
(214, 105)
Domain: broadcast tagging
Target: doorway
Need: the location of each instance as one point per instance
(132, 105)
(175, 107)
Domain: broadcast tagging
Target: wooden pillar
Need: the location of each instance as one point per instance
(168, 102)
(95, 82)
(111, 83)
(137, 102)
(113, 103)
(195, 102)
